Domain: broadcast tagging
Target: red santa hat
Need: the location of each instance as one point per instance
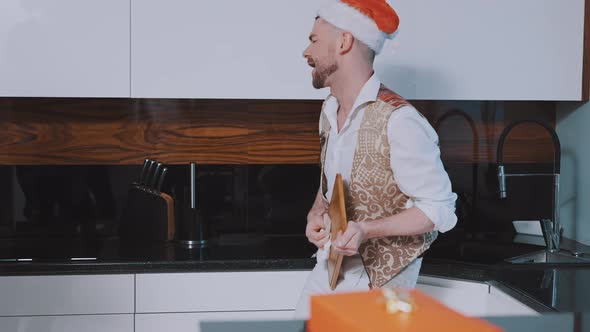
(370, 21)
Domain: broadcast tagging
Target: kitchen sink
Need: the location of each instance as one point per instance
(547, 257)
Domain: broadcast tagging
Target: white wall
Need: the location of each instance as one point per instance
(573, 121)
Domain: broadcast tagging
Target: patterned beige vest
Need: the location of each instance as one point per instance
(372, 192)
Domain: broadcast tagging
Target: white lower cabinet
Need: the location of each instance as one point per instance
(191, 321)
(502, 304)
(79, 323)
(473, 298)
(218, 291)
(180, 301)
(66, 295)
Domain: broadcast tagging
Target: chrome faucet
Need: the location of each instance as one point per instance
(551, 230)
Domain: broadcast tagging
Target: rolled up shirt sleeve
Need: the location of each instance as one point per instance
(418, 169)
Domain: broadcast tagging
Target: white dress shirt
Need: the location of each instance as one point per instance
(415, 156)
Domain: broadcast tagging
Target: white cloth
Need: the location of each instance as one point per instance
(415, 156)
(354, 279)
(323, 253)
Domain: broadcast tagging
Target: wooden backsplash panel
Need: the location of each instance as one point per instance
(69, 131)
(181, 131)
(469, 131)
(81, 131)
(283, 132)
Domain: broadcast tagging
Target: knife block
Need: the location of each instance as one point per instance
(148, 216)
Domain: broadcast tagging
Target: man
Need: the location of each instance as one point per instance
(398, 194)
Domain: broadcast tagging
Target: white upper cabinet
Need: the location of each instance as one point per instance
(455, 49)
(64, 48)
(221, 49)
(487, 50)
(444, 50)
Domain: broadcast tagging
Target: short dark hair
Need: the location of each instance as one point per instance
(371, 55)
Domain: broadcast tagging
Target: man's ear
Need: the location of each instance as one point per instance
(346, 42)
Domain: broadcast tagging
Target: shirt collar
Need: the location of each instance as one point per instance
(367, 94)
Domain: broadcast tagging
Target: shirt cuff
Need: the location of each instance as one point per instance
(443, 217)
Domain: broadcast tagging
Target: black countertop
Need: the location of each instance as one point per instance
(107, 256)
(544, 287)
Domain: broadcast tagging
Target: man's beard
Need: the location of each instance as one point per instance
(320, 75)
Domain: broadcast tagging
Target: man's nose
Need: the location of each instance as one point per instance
(306, 52)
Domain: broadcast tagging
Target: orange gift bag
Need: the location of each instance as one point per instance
(388, 310)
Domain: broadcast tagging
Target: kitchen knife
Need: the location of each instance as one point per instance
(143, 172)
(161, 179)
(149, 175)
(152, 184)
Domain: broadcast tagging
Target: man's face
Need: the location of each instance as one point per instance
(320, 53)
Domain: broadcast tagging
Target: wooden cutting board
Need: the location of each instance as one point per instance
(337, 213)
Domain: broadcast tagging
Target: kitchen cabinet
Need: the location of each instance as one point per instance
(64, 48)
(219, 49)
(183, 300)
(457, 49)
(473, 298)
(82, 323)
(66, 295)
(444, 50)
(218, 291)
(192, 321)
(486, 50)
(154, 301)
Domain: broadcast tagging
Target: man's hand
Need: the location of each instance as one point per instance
(348, 243)
(315, 229)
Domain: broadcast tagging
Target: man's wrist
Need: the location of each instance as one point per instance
(366, 229)
(315, 213)
(373, 229)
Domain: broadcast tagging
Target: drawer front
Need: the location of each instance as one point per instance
(81, 323)
(225, 291)
(192, 321)
(62, 295)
